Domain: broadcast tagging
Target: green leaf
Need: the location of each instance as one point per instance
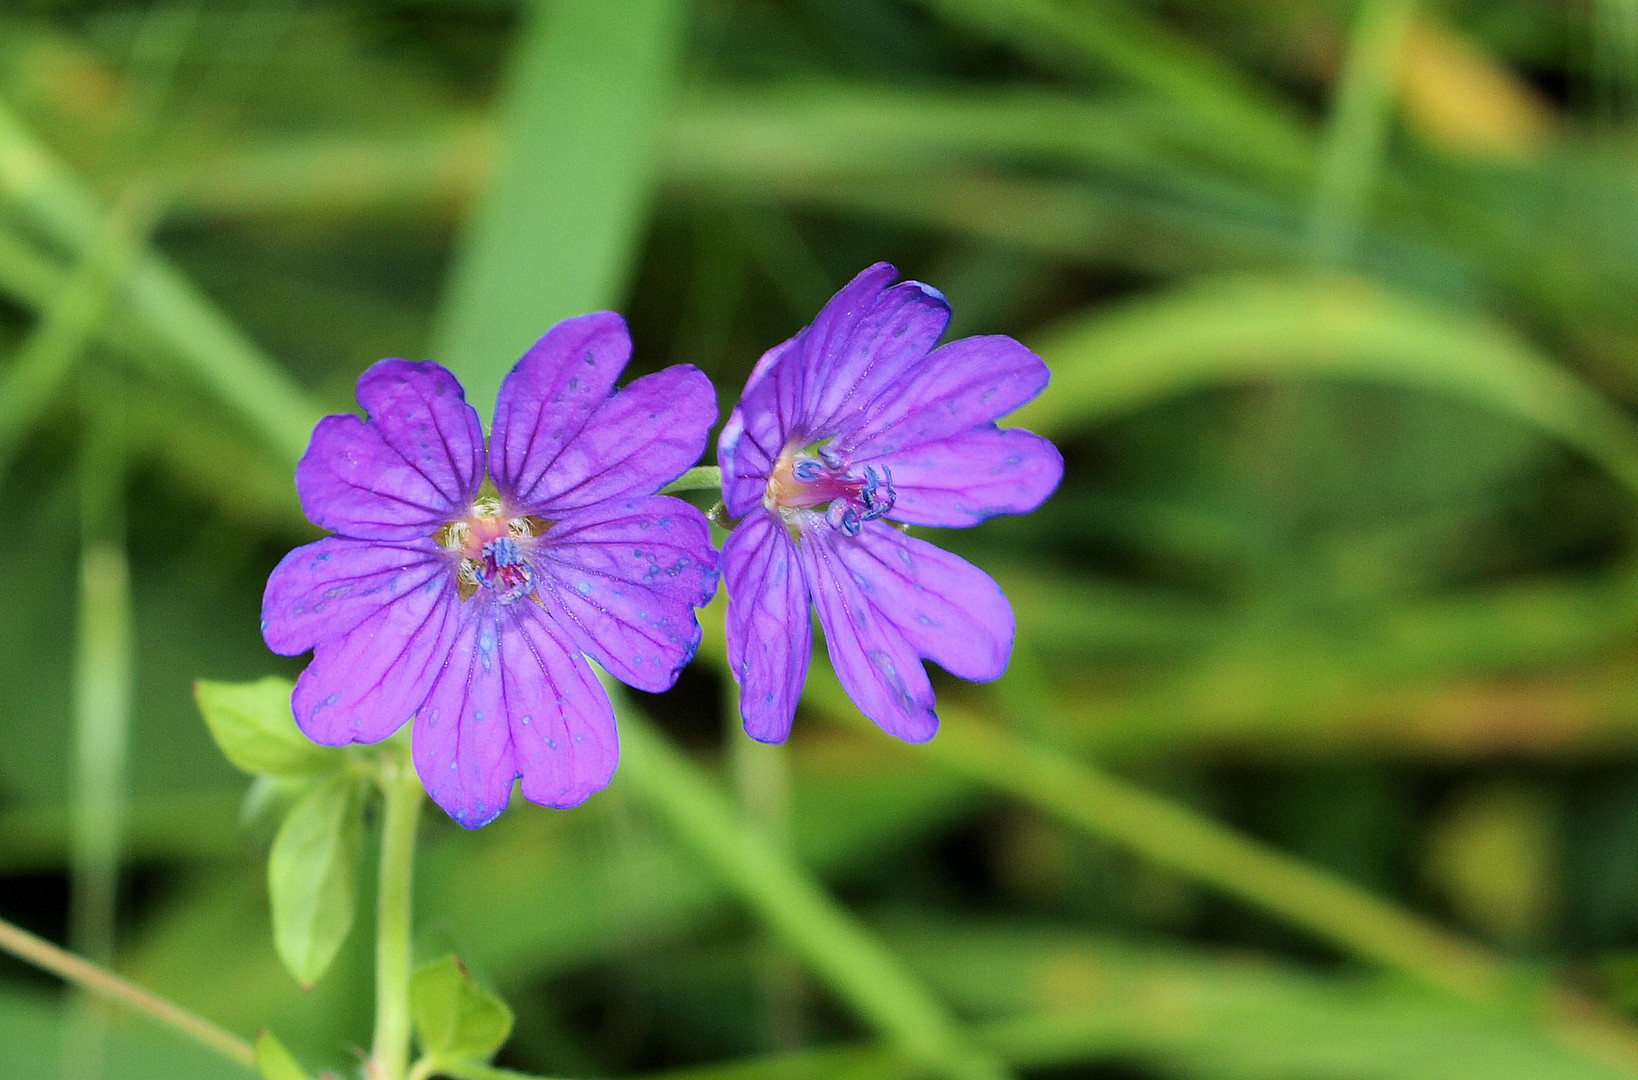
(274, 1062)
(455, 1017)
(253, 725)
(312, 876)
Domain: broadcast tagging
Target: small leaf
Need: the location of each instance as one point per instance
(253, 725)
(274, 1062)
(312, 876)
(457, 1019)
(268, 800)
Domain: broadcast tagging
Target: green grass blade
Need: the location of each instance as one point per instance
(204, 343)
(1239, 329)
(834, 946)
(1113, 37)
(1354, 144)
(556, 233)
(71, 319)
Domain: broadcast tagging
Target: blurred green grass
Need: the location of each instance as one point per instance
(1340, 305)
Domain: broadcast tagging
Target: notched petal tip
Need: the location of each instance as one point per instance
(416, 460)
(919, 733)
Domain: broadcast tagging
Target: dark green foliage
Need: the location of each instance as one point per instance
(1341, 302)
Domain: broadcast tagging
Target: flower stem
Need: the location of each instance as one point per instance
(699, 478)
(88, 976)
(402, 793)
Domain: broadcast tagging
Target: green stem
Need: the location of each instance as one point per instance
(699, 478)
(97, 980)
(402, 792)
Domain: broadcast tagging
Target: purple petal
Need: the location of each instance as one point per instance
(966, 478)
(822, 383)
(875, 662)
(770, 633)
(949, 610)
(365, 682)
(562, 724)
(549, 394)
(415, 464)
(965, 384)
(623, 578)
(865, 341)
(325, 589)
(641, 438)
(462, 739)
(758, 429)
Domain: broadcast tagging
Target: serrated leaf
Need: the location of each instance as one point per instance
(252, 724)
(274, 1062)
(456, 1018)
(312, 876)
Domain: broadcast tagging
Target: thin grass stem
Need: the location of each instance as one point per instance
(99, 980)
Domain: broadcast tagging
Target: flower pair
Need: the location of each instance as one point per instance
(470, 608)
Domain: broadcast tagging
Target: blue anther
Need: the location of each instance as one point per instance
(869, 490)
(877, 492)
(833, 460)
(807, 471)
(841, 515)
(504, 551)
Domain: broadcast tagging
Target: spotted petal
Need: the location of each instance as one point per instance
(949, 610)
(412, 466)
(546, 398)
(638, 440)
(622, 579)
(963, 385)
(325, 589)
(365, 681)
(770, 633)
(562, 725)
(867, 339)
(462, 739)
(877, 665)
(964, 479)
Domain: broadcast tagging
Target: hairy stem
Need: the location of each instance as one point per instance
(89, 977)
(402, 792)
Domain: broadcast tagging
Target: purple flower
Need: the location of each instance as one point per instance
(468, 612)
(856, 423)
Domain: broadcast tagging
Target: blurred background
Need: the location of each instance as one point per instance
(1316, 760)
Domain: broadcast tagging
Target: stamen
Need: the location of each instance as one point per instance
(807, 471)
(818, 476)
(492, 551)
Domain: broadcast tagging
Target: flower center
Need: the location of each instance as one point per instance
(810, 477)
(492, 548)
